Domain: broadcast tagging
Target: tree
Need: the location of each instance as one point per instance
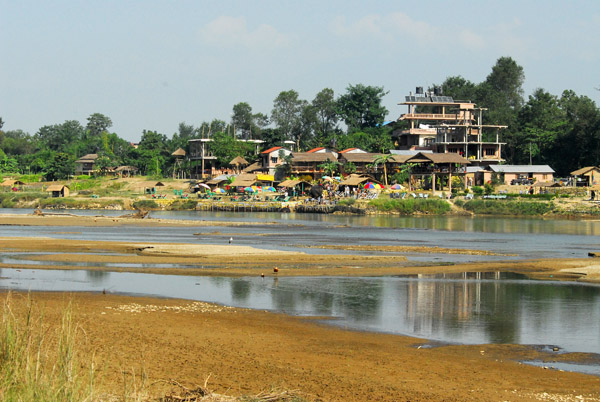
(459, 88)
(97, 124)
(8, 164)
(502, 94)
(578, 143)
(242, 119)
(65, 137)
(361, 107)
(325, 111)
(60, 167)
(329, 166)
(540, 122)
(225, 148)
(287, 113)
(383, 160)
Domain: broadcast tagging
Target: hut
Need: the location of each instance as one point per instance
(179, 156)
(11, 184)
(126, 171)
(587, 176)
(86, 164)
(238, 163)
(440, 165)
(58, 190)
(296, 186)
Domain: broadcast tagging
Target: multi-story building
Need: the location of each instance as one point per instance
(444, 125)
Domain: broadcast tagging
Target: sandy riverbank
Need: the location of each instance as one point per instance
(246, 352)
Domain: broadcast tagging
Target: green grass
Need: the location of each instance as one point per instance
(145, 205)
(411, 206)
(505, 207)
(183, 205)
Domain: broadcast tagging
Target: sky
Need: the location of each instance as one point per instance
(150, 65)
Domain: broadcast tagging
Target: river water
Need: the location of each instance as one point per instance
(465, 308)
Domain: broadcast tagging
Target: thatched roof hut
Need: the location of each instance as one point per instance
(58, 190)
(239, 161)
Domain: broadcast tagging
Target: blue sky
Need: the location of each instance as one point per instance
(153, 64)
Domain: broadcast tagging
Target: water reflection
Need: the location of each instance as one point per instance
(470, 308)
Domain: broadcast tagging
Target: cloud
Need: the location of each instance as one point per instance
(389, 27)
(227, 31)
(471, 40)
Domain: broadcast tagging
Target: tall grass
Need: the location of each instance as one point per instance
(39, 362)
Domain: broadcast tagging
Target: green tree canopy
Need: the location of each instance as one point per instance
(361, 107)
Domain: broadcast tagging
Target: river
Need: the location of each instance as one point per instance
(467, 308)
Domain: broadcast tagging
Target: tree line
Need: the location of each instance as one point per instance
(561, 131)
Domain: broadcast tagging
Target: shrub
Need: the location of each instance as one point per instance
(488, 188)
(346, 201)
(477, 190)
(145, 205)
(183, 205)
(502, 207)
(412, 205)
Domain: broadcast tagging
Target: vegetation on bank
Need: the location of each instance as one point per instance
(41, 360)
(430, 206)
(507, 207)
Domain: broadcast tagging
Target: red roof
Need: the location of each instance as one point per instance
(268, 151)
(346, 150)
(315, 150)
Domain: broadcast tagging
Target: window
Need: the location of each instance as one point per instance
(273, 159)
(490, 152)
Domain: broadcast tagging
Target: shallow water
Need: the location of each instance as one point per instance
(527, 238)
(469, 308)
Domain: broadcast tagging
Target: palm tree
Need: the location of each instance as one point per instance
(383, 159)
(329, 166)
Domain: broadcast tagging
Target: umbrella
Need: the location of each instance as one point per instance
(219, 190)
(397, 187)
(269, 188)
(373, 186)
(326, 178)
(249, 190)
(205, 185)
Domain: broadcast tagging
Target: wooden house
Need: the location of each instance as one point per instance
(86, 164)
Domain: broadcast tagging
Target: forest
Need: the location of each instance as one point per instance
(562, 131)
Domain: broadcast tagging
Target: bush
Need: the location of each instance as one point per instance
(346, 201)
(412, 205)
(488, 188)
(477, 190)
(502, 207)
(183, 205)
(145, 205)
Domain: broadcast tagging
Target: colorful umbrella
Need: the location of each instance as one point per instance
(373, 186)
(269, 188)
(219, 190)
(397, 187)
(249, 190)
(205, 185)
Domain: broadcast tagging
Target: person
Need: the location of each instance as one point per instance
(530, 190)
(592, 195)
